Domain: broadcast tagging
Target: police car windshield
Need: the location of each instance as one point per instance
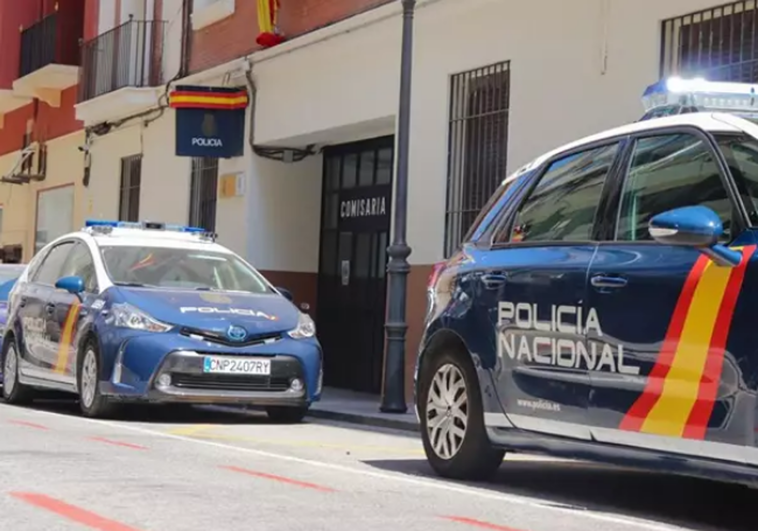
(10, 272)
(164, 267)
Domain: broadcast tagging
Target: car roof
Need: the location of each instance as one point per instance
(130, 237)
(708, 121)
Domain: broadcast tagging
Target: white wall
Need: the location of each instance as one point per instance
(560, 89)
(164, 188)
(284, 215)
(346, 87)
(19, 202)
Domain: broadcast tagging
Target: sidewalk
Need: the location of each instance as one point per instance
(361, 408)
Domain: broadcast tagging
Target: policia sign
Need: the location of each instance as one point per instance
(210, 121)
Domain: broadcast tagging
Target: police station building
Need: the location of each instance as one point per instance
(288, 152)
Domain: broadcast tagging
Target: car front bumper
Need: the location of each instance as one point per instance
(170, 370)
(181, 378)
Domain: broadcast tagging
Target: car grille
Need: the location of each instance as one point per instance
(221, 339)
(222, 382)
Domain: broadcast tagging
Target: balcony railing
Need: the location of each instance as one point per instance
(52, 40)
(126, 56)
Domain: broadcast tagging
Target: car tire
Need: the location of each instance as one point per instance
(466, 453)
(91, 402)
(286, 414)
(14, 392)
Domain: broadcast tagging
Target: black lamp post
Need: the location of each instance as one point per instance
(393, 397)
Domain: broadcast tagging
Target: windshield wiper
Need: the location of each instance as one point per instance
(132, 284)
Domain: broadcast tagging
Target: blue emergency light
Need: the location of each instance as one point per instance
(143, 225)
(676, 95)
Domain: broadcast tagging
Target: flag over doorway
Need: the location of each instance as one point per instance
(269, 34)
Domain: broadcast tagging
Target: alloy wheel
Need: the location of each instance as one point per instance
(447, 411)
(9, 370)
(89, 378)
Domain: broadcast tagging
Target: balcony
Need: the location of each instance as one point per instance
(50, 57)
(121, 72)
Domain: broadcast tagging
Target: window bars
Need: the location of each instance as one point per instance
(204, 193)
(477, 145)
(718, 44)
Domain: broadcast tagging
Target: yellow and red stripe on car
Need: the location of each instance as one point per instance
(682, 386)
(66, 344)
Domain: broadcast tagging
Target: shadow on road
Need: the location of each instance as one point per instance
(690, 502)
(158, 414)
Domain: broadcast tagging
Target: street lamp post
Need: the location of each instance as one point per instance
(393, 397)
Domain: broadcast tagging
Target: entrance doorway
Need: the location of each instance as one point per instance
(352, 284)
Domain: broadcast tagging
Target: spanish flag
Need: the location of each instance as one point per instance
(186, 97)
(267, 16)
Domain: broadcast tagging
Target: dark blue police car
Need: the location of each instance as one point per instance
(156, 313)
(603, 307)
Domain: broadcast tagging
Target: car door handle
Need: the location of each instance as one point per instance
(49, 308)
(607, 281)
(493, 280)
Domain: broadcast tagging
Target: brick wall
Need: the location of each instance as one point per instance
(51, 122)
(235, 36)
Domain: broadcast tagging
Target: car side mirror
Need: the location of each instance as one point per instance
(287, 294)
(698, 227)
(74, 285)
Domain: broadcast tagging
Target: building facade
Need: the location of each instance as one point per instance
(41, 170)
(308, 195)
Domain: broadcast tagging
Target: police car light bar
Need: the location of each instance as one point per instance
(107, 226)
(676, 95)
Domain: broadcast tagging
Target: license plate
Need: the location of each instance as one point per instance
(221, 365)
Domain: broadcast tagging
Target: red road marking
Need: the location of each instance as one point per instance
(71, 512)
(281, 479)
(28, 424)
(478, 523)
(118, 443)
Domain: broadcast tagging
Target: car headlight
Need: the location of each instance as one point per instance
(125, 315)
(305, 327)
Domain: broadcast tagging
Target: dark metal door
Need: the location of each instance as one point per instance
(355, 225)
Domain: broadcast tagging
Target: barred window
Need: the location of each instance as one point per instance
(718, 44)
(477, 145)
(131, 179)
(204, 193)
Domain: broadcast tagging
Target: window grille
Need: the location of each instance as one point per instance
(477, 145)
(204, 193)
(718, 44)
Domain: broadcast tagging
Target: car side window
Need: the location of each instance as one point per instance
(667, 172)
(80, 264)
(562, 206)
(50, 269)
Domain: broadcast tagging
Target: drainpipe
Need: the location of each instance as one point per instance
(393, 396)
(186, 38)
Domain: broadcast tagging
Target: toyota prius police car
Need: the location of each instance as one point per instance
(605, 303)
(158, 313)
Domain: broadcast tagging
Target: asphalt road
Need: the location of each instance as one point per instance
(186, 470)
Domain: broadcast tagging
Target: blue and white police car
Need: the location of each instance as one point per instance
(604, 304)
(156, 313)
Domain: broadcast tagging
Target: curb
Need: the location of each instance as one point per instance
(377, 422)
(349, 418)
